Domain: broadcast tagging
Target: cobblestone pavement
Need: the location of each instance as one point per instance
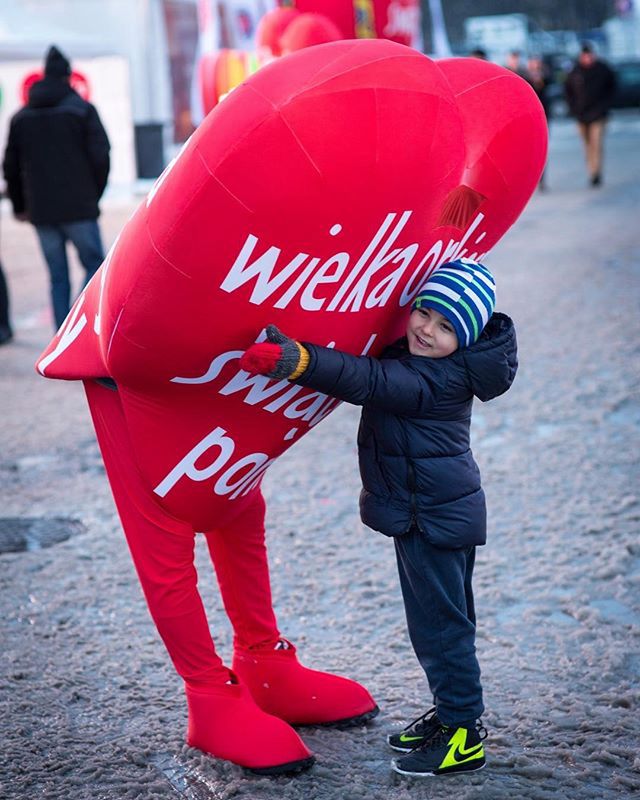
(89, 704)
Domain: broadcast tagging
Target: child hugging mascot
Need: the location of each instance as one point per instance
(318, 196)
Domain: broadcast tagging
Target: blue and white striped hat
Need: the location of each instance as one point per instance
(464, 292)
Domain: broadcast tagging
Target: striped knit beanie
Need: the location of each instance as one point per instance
(464, 292)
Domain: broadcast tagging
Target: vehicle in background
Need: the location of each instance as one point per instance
(497, 34)
(627, 84)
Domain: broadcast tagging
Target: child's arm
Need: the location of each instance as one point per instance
(384, 383)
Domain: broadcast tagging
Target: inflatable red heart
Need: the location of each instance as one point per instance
(317, 196)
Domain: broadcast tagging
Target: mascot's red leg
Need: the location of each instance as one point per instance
(268, 664)
(224, 720)
(239, 555)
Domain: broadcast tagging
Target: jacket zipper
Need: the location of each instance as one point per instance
(411, 474)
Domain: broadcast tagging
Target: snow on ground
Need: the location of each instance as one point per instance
(89, 704)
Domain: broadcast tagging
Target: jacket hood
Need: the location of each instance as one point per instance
(48, 92)
(491, 363)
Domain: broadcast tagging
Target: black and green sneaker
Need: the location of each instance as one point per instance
(415, 733)
(447, 751)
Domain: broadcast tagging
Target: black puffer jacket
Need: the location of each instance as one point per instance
(415, 461)
(57, 158)
(589, 91)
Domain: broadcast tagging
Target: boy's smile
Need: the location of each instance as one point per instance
(430, 334)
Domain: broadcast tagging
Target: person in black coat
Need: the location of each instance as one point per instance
(6, 332)
(589, 90)
(421, 484)
(537, 76)
(56, 166)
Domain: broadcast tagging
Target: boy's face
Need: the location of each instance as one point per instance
(430, 334)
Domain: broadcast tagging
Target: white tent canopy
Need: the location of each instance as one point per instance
(24, 35)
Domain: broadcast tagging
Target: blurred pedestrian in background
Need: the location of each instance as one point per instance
(538, 76)
(514, 63)
(534, 75)
(56, 166)
(6, 334)
(589, 90)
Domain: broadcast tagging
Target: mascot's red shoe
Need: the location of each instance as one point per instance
(225, 722)
(282, 686)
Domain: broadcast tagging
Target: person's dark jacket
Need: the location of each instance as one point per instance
(415, 460)
(57, 158)
(540, 85)
(589, 91)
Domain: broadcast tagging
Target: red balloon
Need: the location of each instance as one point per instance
(308, 30)
(78, 80)
(271, 27)
(318, 196)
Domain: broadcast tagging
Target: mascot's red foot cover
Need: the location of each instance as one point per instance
(318, 196)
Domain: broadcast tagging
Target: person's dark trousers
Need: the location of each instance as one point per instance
(5, 326)
(85, 236)
(438, 599)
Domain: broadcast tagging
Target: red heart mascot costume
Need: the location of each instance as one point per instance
(318, 196)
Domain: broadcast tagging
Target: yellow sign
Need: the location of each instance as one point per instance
(364, 19)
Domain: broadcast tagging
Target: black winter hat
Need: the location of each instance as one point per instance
(56, 65)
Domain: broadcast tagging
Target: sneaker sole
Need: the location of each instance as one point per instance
(290, 768)
(401, 749)
(442, 774)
